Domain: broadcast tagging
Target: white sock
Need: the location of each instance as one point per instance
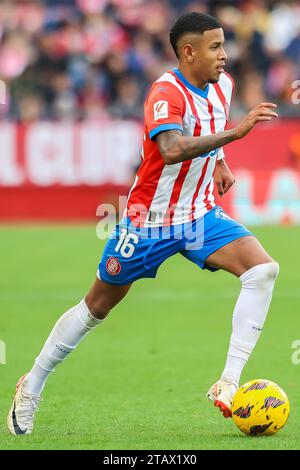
(249, 316)
(69, 330)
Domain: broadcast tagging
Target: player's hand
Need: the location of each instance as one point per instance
(261, 112)
(224, 179)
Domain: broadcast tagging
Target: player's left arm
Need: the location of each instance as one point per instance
(224, 179)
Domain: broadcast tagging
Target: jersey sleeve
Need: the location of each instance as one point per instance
(164, 109)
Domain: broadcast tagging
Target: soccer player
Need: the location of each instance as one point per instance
(171, 210)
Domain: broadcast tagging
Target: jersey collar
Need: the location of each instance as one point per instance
(191, 87)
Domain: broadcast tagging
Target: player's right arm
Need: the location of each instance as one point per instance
(176, 148)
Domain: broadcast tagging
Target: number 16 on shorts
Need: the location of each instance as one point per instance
(126, 243)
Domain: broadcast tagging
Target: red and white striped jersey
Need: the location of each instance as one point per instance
(174, 194)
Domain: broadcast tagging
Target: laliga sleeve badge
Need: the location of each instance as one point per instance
(160, 110)
(113, 266)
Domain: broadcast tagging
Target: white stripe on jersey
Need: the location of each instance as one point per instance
(218, 110)
(189, 186)
(200, 207)
(226, 85)
(162, 196)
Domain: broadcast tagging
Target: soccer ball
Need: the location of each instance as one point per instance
(260, 407)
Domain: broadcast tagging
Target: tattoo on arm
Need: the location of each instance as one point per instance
(168, 142)
(175, 148)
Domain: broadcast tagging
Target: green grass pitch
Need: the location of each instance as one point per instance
(139, 380)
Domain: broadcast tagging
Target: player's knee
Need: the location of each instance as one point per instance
(269, 271)
(98, 309)
(261, 274)
(273, 270)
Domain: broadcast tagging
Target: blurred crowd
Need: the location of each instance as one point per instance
(90, 59)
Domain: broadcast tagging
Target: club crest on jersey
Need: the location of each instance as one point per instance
(113, 266)
(161, 110)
